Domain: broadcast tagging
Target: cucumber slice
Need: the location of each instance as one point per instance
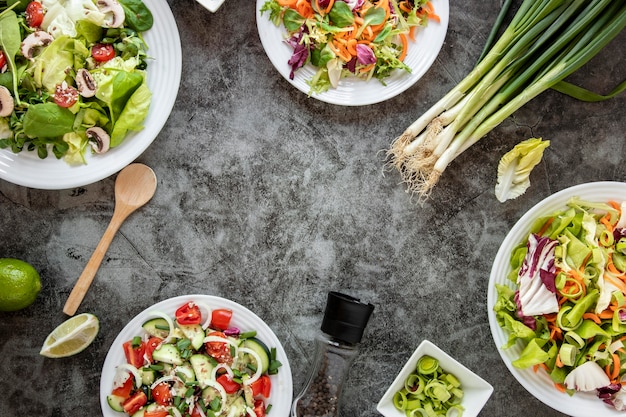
(202, 367)
(260, 349)
(115, 402)
(147, 376)
(187, 371)
(167, 353)
(156, 327)
(193, 332)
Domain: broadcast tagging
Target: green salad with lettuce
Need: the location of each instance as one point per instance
(567, 304)
(73, 75)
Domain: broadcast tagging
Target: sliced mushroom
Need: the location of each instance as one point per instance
(34, 41)
(99, 139)
(114, 11)
(6, 102)
(85, 83)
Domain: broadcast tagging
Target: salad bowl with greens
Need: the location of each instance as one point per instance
(85, 87)
(557, 300)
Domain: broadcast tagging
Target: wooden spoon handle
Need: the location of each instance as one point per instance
(85, 279)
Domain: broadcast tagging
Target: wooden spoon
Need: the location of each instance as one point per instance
(135, 185)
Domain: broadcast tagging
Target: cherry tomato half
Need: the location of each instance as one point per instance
(65, 95)
(34, 14)
(134, 354)
(220, 351)
(259, 408)
(188, 314)
(125, 390)
(3, 60)
(220, 318)
(103, 52)
(162, 394)
(156, 414)
(262, 386)
(228, 384)
(152, 344)
(135, 402)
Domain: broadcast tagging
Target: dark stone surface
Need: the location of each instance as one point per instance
(271, 199)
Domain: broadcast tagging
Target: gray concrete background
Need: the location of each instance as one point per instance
(271, 199)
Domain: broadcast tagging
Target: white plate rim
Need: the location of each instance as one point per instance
(241, 316)
(353, 91)
(539, 384)
(164, 75)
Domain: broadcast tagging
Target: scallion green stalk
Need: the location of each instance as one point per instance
(546, 41)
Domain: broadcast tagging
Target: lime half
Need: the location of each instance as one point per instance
(71, 336)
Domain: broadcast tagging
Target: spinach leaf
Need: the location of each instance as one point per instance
(124, 85)
(138, 16)
(47, 120)
(292, 20)
(341, 14)
(10, 40)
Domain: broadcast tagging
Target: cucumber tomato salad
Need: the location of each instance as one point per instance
(194, 365)
(568, 303)
(72, 75)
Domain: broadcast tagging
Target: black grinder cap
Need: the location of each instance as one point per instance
(345, 317)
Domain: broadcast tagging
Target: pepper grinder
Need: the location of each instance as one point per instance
(336, 347)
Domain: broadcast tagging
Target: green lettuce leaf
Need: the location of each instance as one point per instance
(515, 167)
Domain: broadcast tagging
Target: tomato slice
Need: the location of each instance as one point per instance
(229, 385)
(125, 390)
(262, 386)
(135, 402)
(152, 344)
(34, 14)
(65, 95)
(134, 354)
(259, 408)
(103, 52)
(3, 60)
(220, 351)
(188, 314)
(162, 394)
(220, 318)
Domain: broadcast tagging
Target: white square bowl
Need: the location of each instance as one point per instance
(476, 391)
(211, 5)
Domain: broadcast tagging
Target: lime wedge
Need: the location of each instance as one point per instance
(71, 336)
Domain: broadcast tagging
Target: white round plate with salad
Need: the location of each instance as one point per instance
(242, 320)
(539, 383)
(164, 73)
(353, 91)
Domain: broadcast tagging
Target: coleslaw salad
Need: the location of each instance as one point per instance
(356, 38)
(566, 302)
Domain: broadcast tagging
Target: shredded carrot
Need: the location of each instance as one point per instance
(405, 46)
(545, 226)
(592, 316)
(560, 387)
(606, 314)
(616, 367)
(558, 363)
(617, 206)
(412, 30)
(303, 7)
(606, 221)
(288, 3)
(351, 46)
(367, 68)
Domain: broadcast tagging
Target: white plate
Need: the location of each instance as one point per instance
(244, 319)
(211, 5)
(354, 91)
(164, 72)
(539, 384)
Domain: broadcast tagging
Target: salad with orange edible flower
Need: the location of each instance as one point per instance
(344, 38)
